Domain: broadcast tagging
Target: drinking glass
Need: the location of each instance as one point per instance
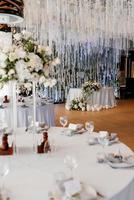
(63, 122)
(103, 140)
(4, 171)
(71, 163)
(30, 124)
(89, 126)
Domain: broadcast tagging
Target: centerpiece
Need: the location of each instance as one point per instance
(88, 88)
(78, 104)
(26, 61)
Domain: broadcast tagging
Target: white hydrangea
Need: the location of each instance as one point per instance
(22, 71)
(20, 53)
(35, 62)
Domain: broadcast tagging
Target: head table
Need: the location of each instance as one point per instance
(32, 175)
(103, 98)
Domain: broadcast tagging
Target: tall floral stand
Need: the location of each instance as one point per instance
(34, 116)
(12, 87)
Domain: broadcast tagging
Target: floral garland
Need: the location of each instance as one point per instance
(26, 61)
(89, 87)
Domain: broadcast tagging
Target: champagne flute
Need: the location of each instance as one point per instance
(4, 171)
(63, 121)
(71, 163)
(30, 123)
(89, 126)
(103, 139)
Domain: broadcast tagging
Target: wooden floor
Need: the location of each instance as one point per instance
(119, 120)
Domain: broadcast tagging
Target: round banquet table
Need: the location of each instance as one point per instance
(32, 175)
(104, 97)
(44, 113)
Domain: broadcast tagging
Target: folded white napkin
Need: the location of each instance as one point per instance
(75, 127)
(103, 134)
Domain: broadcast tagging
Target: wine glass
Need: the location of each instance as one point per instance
(30, 123)
(89, 126)
(71, 163)
(63, 120)
(103, 140)
(4, 171)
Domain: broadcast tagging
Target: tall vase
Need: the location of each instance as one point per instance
(34, 115)
(12, 86)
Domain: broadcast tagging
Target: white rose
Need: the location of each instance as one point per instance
(42, 79)
(17, 36)
(2, 72)
(80, 105)
(48, 50)
(40, 48)
(12, 56)
(75, 106)
(11, 72)
(35, 76)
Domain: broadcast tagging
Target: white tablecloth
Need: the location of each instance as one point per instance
(32, 175)
(44, 113)
(104, 97)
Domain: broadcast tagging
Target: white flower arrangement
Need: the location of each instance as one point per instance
(78, 104)
(89, 87)
(27, 61)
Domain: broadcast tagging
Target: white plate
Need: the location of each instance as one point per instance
(120, 165)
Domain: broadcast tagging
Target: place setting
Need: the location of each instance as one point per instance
(69, 187)
(120, 161)
(103, 138)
